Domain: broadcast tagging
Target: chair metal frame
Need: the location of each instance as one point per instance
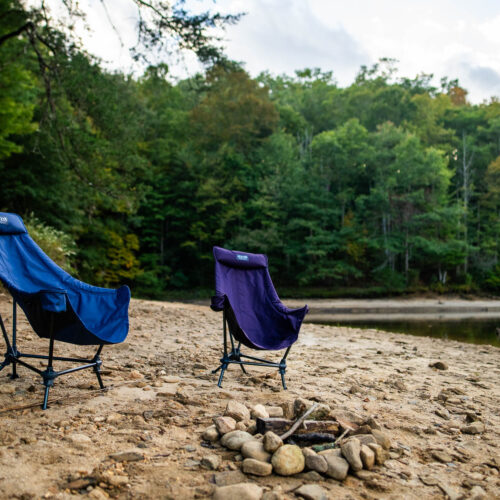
(234, 356)
(13, 356)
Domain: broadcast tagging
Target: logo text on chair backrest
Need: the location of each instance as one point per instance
(3, 220)
(241, 257)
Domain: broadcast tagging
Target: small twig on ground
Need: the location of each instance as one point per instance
(298, 422)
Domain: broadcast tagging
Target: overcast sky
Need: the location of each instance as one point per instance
(453, 38)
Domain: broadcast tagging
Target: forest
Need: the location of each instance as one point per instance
(385, 186)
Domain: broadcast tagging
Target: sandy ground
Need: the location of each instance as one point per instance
(65, 451)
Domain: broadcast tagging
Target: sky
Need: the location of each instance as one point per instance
(453, 38)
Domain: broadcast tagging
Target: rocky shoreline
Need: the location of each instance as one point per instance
(143, 438)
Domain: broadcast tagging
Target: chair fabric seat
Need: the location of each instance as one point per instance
(243, 282)
(87, 315)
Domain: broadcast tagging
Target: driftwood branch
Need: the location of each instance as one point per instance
(299, 421)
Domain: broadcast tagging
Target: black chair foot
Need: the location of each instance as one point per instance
(99, 378)
(45, 398)
(243, 369)
(223, 369)
(283, 380)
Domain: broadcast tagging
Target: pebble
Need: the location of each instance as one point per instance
(288, 460)
(234, 440)
(211, 462)
(311, 492)
(259, 411)
(241, 491)
(474, 428)
(351, 450)
(237, 410)
(442, 456)
(337, 466)
(135, 374)
(256, 467)
(255, 449)
(127, 456)
(380, 454)
(224, 424)
(367, 457)
(274, 411)
(229, 477)
(272, 441)
(211, 434)
(439, 365)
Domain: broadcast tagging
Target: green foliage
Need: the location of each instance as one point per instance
(59, 246)
(383, 186)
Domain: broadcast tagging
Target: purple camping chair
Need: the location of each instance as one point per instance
(252, 310)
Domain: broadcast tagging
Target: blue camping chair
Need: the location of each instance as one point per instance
(252, 310)
(58, 306)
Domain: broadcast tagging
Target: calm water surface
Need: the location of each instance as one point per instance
(477, 331)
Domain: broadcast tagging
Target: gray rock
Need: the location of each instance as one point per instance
(380, 454)
(224, 424)
(234, 440)
(229, 477)
(272, 442)
(259, 411)
(255, 449)
(300, 406)
(288, 460)
(366, 439)
(257, 467)
(337, 466)
(311, 492)
(310, 476)
(474, 428)
(477, 493)
(333, 451)
(241, 491)
(275, 411)
(442, 456)
(237, 410)
(211, 434)
(317, 463)
(211, 462)
(127, 456)
(351, 450)
(367, 457)
(252, 428)
(382, 439)
(372, 423)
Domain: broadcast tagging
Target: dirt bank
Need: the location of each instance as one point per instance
(163, 396)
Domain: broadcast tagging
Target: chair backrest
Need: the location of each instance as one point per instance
(243, 283)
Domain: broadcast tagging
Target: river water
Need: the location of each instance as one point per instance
(475, 331)
(473, 321)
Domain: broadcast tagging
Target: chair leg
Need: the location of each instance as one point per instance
(282, 367)
(45, 397)
(97, 366)
(223, 368)
(49, 375)
(238, 358)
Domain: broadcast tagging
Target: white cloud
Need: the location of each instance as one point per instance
(447, 38)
